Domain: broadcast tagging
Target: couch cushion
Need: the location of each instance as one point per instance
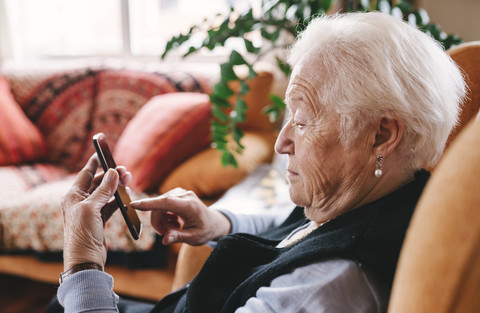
(61, 107)
(16, 181)
(207, 177)
(166, 131)
(32, 222)
(31, 218)
(257, 100)
(20, 139)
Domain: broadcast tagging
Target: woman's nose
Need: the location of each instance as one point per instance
(284, 143)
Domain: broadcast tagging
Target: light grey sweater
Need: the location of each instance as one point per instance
(334, 285)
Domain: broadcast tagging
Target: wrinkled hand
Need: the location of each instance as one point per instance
(86, 208)
(180, 216)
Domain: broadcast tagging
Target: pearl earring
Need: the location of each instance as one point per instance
(378, 170)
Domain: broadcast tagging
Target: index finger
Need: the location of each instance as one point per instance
(165, 203)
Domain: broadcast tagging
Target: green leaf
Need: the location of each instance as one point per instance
(168, 47)
(238, 135)
(219, 132)
(277, 102)
(433, 30)
(251, 72)
(418, 18)
(221, 90)
(220, 128)
(274, 111)
(405, 6)
(250, 47)
(283, 66)
(236, 58)
(219, 139)
(219, 146)
(190, 51)
(227, 73)
(240, 109)
(271, 36)
(228, 159)
(175, 41)
(451, 41)
(218, 113)
(244, 89)
(219, 101)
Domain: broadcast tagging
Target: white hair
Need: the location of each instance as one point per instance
(372, 65)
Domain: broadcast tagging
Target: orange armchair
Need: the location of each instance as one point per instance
(467, 57)
(439, 267)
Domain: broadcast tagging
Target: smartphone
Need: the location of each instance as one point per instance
(121, 196)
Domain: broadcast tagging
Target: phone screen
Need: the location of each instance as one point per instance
(121, 196)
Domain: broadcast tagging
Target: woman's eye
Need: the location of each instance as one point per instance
(298, 125)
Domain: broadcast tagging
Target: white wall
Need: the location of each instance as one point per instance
(5, 42)
(461, 17)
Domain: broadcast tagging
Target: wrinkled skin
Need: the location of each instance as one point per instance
(181, 216)
(86, 208)
(325, 177)
(178, 214)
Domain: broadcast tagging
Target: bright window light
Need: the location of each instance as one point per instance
(65, 28)
(59, 28)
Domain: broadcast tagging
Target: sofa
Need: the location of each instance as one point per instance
(157, 124)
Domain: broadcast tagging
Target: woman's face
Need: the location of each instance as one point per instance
(324, 177)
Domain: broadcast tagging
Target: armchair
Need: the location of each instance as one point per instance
(439, 267)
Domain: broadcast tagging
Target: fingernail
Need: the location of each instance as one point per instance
(170, 238)
(110, 176)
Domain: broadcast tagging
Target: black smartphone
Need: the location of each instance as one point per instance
(121, 196)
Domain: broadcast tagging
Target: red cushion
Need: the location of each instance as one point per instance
(165, 131)
(20, 139)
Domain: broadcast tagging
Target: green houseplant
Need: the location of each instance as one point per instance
(278, 23)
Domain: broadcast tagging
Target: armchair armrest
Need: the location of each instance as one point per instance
(189, 262)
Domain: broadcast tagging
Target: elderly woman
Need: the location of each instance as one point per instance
(371, 101)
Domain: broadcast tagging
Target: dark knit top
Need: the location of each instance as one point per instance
(371, 235)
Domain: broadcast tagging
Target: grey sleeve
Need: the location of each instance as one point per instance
(251, 223)
(88, 291)
(332, 286)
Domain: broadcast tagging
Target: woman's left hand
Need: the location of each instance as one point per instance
(86, 208)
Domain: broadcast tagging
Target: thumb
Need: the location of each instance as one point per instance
(106, 189)
(176, 236)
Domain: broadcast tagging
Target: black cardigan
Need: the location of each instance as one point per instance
(241, 263)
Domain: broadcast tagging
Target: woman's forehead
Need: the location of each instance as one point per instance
(303, 97)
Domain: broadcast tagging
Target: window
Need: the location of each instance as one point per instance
(58, 28)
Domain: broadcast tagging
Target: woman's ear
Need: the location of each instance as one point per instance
(389, 132)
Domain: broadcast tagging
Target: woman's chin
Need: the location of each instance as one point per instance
(293, 194)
